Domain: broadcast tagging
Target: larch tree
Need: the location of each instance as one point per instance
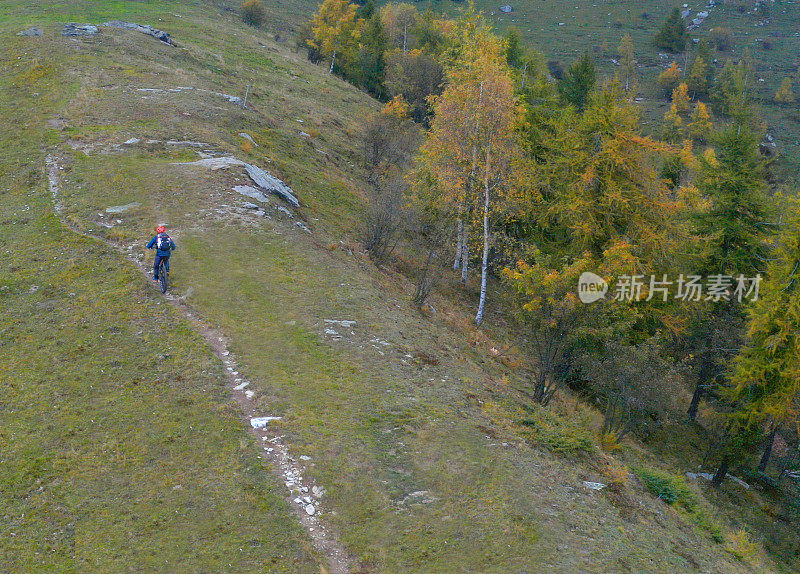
(472, 145)
(735, 224)
(336, 29)
(680, 98)
(765, 379)
(669, 79)
(701, 124)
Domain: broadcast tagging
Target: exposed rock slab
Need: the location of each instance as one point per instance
(35, 32)
(73, 30)
(272, 184)
(121, 208)
(144, 29)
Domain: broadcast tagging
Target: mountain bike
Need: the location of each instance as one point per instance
(162, 276)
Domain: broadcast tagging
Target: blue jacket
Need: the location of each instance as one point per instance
(162, 252)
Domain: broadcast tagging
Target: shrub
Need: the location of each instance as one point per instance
(253, 12)
(672, 489)
(722, 37)
(741, 545)
(558, 433)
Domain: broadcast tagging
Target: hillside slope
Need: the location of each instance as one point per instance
(563, 30)
(124, 449)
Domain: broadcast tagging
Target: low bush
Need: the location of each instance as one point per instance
(672, 489)
(558, 433)
(253, 12)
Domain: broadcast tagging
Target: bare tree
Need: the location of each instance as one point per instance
(390, 141)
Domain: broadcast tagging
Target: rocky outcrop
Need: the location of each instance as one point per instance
(32, 33)
(144, 29)
(73, 30)
(272, 184)
(265, 181)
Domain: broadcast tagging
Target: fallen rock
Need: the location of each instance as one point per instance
(144, 29)
(121, 208)
(248, 205)
(594, 485)
(272, 184)
(73, 30)
(32, 33)
(261, 422)
(310, 510)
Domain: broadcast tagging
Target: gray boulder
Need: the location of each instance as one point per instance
(74, 30)
(32, 33)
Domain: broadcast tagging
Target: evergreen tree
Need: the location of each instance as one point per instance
(514, 50)
(672, 35)
(735, 228)
(578, 82)
(367, 69)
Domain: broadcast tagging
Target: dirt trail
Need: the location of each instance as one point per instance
(303, 495)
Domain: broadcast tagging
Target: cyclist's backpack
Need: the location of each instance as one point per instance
(164, 243)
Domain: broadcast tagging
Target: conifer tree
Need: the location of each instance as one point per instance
(578, 82)
(669, 79)
(672, 35)
(680, 98)
(701, 123)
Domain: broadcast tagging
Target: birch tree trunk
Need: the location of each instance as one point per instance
(333, 61)
(459, 238)
(465, 256)
(485, 261)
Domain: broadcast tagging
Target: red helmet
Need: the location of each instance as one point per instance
(161, 229)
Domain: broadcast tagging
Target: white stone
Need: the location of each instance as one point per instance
(261, 422)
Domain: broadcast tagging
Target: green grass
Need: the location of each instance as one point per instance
(378, 425)
(120, 446)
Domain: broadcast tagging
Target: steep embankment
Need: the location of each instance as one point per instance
(123, 447)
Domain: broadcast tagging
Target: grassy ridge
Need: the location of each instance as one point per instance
(423, 469)
(120, 449)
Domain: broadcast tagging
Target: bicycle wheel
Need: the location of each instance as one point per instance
(162, 277)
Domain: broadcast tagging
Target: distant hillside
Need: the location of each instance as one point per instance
(564, 29)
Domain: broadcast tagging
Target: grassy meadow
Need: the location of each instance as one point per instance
(121, 447)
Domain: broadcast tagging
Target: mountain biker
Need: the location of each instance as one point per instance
(164, 246)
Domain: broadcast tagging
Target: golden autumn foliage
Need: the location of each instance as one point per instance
(785, 94)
